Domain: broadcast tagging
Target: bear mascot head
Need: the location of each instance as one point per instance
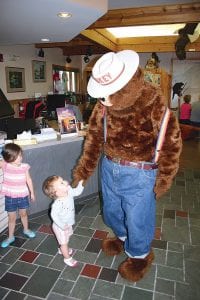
(122, 134)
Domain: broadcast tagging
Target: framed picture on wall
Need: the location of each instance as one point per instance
(39, 70)
(15, 79)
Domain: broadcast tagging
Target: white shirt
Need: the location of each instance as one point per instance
(62, 209)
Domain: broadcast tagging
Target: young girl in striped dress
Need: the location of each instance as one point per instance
(16, 187)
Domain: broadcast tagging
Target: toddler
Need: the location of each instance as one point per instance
(16, 186)
(185, 110)
(62, 212)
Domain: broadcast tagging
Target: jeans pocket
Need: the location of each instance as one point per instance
(150, 174)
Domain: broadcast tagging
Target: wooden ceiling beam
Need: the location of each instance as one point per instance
(151, 15)
(98, 37)
(141, 48)
(148, 40)
(155, 45)
(95, 49)
(51, 45)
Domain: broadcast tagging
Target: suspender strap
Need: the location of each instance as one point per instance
(104, 124)
(161, 135)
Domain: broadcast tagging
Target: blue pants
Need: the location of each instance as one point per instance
(129, 205)
(13, 204)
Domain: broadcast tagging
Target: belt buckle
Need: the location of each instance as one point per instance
(135, 165)
(143, 166)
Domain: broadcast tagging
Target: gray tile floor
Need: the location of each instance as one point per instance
(32, 269)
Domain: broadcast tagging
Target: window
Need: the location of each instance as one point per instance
(66, 79)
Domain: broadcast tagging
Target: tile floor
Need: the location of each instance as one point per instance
(32, 269)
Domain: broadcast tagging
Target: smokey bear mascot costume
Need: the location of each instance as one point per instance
(123, 130)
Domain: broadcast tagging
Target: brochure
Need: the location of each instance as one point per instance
(66, 120)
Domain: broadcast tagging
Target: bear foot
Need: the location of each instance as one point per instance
(112, 246)
(134, 269)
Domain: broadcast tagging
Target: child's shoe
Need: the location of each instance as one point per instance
(71, 251)
(7, 242)
(29, 233)
(70, 262)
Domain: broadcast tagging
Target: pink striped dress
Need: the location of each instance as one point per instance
(14, 180)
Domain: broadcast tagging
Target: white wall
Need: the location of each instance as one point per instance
(24, 54)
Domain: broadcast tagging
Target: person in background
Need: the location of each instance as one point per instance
(185, 110)
(62, 212)
(195, 114)
(16, 186)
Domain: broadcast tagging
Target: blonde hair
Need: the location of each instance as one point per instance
(48, 186)
(187, 98)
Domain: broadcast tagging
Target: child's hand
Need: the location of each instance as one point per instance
(32, 196)
(81, 182)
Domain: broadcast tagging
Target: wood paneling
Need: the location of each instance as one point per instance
(166, 14)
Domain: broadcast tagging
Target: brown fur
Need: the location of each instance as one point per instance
(134, 269)
(112, 246)
(133, 124)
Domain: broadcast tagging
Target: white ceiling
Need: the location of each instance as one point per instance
(28, 21)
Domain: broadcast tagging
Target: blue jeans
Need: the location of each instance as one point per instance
(129, 205)
(12, 204)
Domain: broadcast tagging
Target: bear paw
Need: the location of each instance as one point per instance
(112, 246)
(134, 269)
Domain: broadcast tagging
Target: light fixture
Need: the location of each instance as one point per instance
(88, 53)
(45, 40)
(86, 59)
(68, 59)
(41, 53)
(64, 15)
(147, 30)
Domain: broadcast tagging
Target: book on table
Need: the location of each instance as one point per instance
(67, 121)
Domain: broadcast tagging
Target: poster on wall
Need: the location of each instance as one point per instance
(185, 80)
(39, 71)
(153, 77)
(15, 79)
